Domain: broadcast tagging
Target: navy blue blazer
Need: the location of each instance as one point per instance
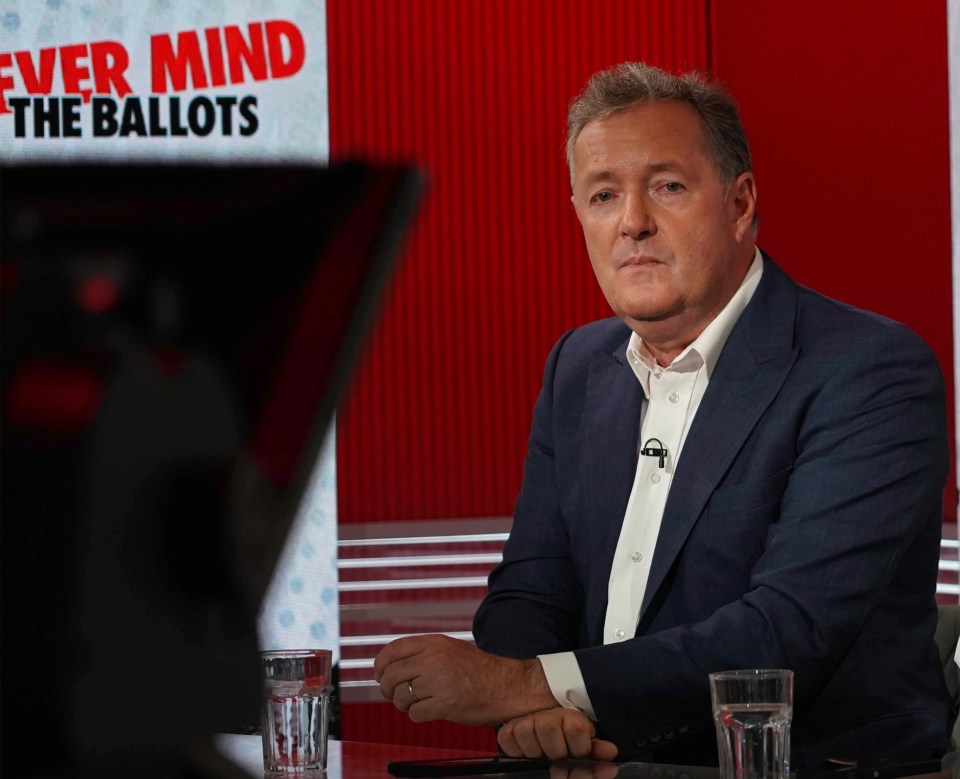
(802, 531)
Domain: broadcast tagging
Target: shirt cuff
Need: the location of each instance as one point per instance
(566, 682)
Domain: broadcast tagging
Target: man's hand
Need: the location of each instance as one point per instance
(557, 733)
(453, 680)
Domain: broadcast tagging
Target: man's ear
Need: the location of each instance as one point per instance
(573, 205)
(744, 203)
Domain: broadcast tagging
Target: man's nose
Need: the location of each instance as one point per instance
(636, 220)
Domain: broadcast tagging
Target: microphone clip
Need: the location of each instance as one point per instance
(658, 451)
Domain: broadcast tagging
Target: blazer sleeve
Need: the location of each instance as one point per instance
(535, 599)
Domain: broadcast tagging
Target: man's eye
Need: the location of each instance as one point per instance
(602, 197)
(673, 186)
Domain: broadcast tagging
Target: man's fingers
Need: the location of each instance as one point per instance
(506, 741)
(401, 697)
(556, 733)
(603, 750)
(551, 736)
(578, 732)
(525, 736)
(426, 711)
(419, 704)
(396, 650)
(394, 677)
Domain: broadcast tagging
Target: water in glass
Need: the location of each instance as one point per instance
(754, 740)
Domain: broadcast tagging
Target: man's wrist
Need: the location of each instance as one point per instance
(521, 689)
(536, 688)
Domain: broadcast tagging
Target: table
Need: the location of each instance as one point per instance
(360, 760)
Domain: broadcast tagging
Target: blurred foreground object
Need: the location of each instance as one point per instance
(175, 340)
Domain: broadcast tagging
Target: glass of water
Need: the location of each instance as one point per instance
(752, 710)
(294, 716)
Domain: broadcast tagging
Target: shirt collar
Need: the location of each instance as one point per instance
(705, 349)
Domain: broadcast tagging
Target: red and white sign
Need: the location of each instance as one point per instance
(162, 80)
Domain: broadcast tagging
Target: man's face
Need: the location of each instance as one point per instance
(669, 242)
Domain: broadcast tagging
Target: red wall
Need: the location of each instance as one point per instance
(846, 108)
(495, 271)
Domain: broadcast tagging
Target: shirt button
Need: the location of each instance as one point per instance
(636, 557)
(673, 397)
(619, 633)
(655, 478)
(657, 373)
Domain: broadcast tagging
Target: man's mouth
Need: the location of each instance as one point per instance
(639, 261)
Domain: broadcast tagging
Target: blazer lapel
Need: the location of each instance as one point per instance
(752, 367)
(608, 443)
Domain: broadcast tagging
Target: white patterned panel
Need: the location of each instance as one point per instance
(301, 607)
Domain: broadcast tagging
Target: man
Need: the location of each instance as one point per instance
(735, 472)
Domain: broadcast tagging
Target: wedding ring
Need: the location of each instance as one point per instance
(412, 693)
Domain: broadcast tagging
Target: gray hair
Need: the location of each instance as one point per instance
(632, 83)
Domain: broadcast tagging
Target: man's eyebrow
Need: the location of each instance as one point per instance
(660, 167)
(654, 167)
(597, 176)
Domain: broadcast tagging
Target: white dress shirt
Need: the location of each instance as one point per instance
(673, 395)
